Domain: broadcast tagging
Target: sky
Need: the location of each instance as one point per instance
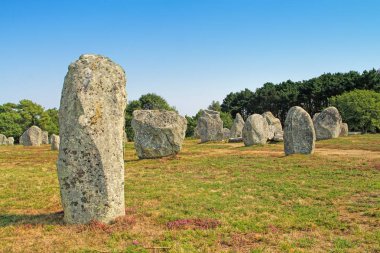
(190, 52)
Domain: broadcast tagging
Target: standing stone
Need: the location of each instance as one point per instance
(196, 134)
(32, 137)
(255, 130)
(299, 134)
(45, 137)
(91, 124)
(315, 116)
(10, 141)
(54, 140)
(237, 127)
(226, 133)
(158, 133)
(275, 132)
(210, 126)
(3, 139)
(343, 130)
(327, 124)
(125, 137)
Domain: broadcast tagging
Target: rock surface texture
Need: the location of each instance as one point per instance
(226, 133)
(3, 139)
(90, 162)
(158, 133)
(327, 124)
(237, 127)
(275, 132)
(343, 130)
(45, 137)
(32, 137)
(210, 126)
(299, 134)
(54, 140)
(255, 130)
(10, 141)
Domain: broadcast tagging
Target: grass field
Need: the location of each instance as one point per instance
(215, 197)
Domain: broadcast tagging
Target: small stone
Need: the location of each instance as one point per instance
(255, 130)
(343, 130)
(3, 139)
(32, 137)
(226, 133)
(210, 126)
(10, 141)
(299, 134)
(237, 126)
(328, 124)
(158, 133)
(45, 137)
(235, 140)
(54, 140)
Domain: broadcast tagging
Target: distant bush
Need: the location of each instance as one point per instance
(360, 109)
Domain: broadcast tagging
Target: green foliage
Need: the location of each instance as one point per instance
(49, 121)
(16, 118)
(215, 106)
(360, 109)
(227, 119)
(192, 123)
(148, 101)
(313, 94)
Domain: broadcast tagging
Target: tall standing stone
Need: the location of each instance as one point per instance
(237, 127)
(226, 133)
(210, 126)
(299, 134)
(91, 120)
(45, 137)
(255, 130)
(327, 124)
(54, 140)
(158, 133)
(32, 137)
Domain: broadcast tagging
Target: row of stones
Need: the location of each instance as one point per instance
(34, 136)
(4, 140)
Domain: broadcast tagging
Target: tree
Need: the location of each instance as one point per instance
(30, 113)
(49, 121)
(360, 109)
(215, 106)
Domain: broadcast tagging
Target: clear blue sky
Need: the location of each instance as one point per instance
(188, 51)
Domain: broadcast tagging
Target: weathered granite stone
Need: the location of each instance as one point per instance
(196, 133)
(235, 140)
(255, 130)
(299, 134)
(327, 124)
(237, 127)
(158, 133)
(210, 126)
(91, 125)
(274, 126)
(54, 140)
(32, 137)
(3, 139)
(315, 116)
(125, 137)
(10, 141)
(226, 133)
(343, 130)
(45, 137)
(278, 137)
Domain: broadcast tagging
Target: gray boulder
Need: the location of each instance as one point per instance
(158, 133)
(237, 127)
(54, 140)
(226, 133)
(3, 139)
(45, 137)
(255, 130)
(299, 134)
(327, 124)
(315, 116)
(274, 126)
(91, 125)
(343, 130)
(32, 137)
(10, 141)
(210, 126)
